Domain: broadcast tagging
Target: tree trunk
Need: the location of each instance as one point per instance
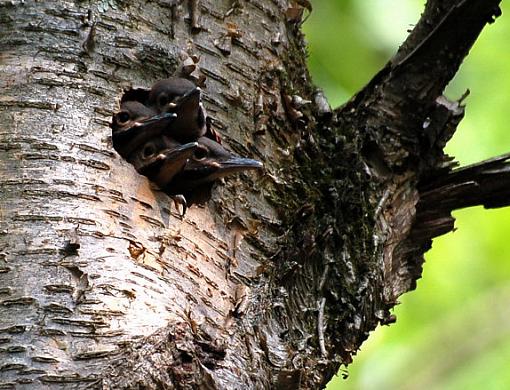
(279, 277)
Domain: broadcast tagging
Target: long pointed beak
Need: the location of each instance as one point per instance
(160, 120)
(187, 105)
(237, 164)
(197, 173)
(131, 139)
(181, 152)
(172, 162)
(163, 119)
(191, 96)
(163, 167)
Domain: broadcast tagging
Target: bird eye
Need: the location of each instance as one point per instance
(163, 101)
(148, 151)
(122, 117)
(200, 153)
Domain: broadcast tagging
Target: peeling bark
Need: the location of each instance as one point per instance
(275, 281)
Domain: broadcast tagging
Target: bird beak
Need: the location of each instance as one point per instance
(187, 105)
(161, 119)
(193, 95)
(238, 164)
(131, 139)
(181, 152)
(166, 164)
(172, 162)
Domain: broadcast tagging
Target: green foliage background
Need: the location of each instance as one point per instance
(453, 332)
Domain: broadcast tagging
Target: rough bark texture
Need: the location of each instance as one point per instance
(278, 279)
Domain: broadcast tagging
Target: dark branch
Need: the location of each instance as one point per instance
(405, 123)
(486, 183)
(396, 103)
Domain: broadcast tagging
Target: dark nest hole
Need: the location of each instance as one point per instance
(166, 135)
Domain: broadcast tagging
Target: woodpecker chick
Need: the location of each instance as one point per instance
(161, 158)
(209, 162)
(135, 124)
(182, 97)
(130, 113)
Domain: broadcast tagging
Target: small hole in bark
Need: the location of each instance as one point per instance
(181, 154)
(186, 357)
(375, 159)
(135, 94)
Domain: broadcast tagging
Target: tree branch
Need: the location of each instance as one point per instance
(406, 124)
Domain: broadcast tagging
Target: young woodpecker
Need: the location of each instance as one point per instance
(161, 158)
(182, 97)
(210, 161)
(135, 124)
